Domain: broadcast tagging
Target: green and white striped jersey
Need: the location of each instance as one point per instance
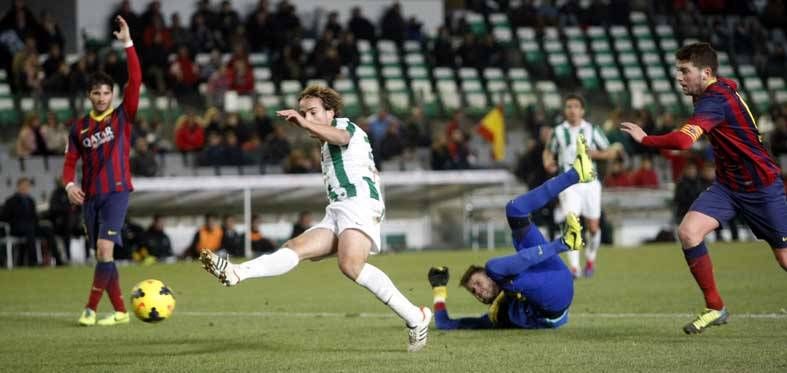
(349, 171)
(564, 142)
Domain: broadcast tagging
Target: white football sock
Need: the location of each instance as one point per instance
(592, 248)
(381, 286)
(276, 263)
(573, 258)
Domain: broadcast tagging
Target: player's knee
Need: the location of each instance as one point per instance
(104, 249)
(689, 236)
(781, 257)
(351, 267)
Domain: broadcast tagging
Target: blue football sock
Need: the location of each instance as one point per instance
(538, 197)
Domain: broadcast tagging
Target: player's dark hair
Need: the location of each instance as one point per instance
(574, 96)
(98, 79)
(23, 179)
(701, 55)
(473, 269)
(331, 100)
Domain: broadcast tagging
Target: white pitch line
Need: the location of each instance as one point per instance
(34, 314)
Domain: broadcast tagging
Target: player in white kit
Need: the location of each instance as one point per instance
(581, 199)
(351, 226)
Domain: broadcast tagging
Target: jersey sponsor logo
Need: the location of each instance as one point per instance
(97, 139)
(112, 233)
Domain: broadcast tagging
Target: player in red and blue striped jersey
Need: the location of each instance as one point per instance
(747, 178)
(102, 140)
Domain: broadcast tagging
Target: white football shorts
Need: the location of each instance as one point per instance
(583, 199)
(363, 214)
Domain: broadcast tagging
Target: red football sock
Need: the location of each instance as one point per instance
(113, 289)
(101, 276)
(702, 269)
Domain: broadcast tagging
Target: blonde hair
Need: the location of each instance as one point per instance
(331, 100)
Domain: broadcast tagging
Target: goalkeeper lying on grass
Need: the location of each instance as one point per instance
(532, 288)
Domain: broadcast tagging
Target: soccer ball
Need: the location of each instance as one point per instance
(152, 301)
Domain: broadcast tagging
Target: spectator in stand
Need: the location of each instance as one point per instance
(233, 154)
(617, 176)
(20, 19)
(235, 123)
(152, 14)
(259, 28)
(328, 65)
(262, 122)
(687, 190)
(115, 68)
(133, 21)
(393, 145)
(185, 77)
(417, 130)
(218, 84)
(19, 211)
(55, 135)
(259, 244)
(378, 127)
(458, 151)
(530, 168)
(332, 24)
(288, 65)
(252, 150)
(228, 19)
(213, 152)
(143, 161)
(443, 49)
(53, 60)
(203, 37)
(157, 44)
(66, 218)
(213, 120)
(277, 146)
(298, 163)
(779, 137)
(348, 50)
(241, 78)
(231, 239)
(360, 26)
(439, 154)
(414, 29)
(304, 222)
(50, 33)
(208, 236)
(468, 51)
(31, 140)
(56, 84)
(494, 54)
(158, 241)
(645, 176)
(392, 24)
(180, 34)
(205, 13)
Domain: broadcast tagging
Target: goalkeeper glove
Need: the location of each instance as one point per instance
(438, 276)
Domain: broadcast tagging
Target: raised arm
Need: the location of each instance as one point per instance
(327, 133)
(131, 92)
(438, 279)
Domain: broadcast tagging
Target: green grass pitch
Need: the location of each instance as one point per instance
(627, 318)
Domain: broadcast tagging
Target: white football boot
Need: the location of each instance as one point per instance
(219, 267)
(417, 334)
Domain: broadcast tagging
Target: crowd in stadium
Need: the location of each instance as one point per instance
(37, 67)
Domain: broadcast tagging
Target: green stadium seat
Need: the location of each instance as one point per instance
(670, 102)
(747, 71)
(560, 65)
(546, 86)
(319, 82)
(417, 72)
(633, 72)
(262, 74)
(503, 35)
(476, 22)
(652, 60)
(517, 74)
(760, 98)
(443, 73)
(610, 72)
(596, 33)
(291, 86)
(493, 74)
(623, 45)
(477, 103)
(5, 90)
(588, 77)
(390, 72)
(638, 18)
(668, 45)
(272, 102)
(3, 75)
(8, 114)
(641, 32)
(664, 31)
(573, 33)
(468, 73)
(365, 72)
(412, 46)
(258, 59)
(367, 59)
(753, 83)
(344, 86)
(531, 50)
(646, 45)
(775, 83)
(264, 87)
(619, 32)
(661, 85)
(552, 101)
(389, 59)
(577, 47)
(780, 97)
(600, 46)
(522, 86)
(414, 59)
(352, 106)
(61, 107)
(628, 59)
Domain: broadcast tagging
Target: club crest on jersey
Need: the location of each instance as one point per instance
(95, 140)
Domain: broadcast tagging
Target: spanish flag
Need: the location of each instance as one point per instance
(493, 129)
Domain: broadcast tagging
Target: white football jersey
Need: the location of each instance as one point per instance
(564, 142)
(348, 170)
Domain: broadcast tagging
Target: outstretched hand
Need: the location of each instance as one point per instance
(633, 130)
(438, 276)
(290, 115)
(124, 35)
